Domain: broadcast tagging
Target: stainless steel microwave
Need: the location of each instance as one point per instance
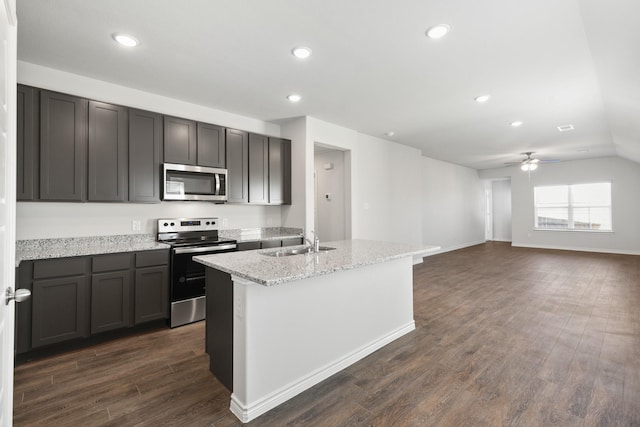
(186, 182)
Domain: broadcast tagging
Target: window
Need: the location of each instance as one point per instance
(574, 207)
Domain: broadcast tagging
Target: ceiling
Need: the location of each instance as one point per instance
(544, 62)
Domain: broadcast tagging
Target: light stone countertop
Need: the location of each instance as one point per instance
(349, 254)
(83, 246)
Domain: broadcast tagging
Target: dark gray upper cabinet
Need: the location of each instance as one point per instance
(108, 153)
(180, 144)
(211, 146)
(237, 166)
(27, 139)
(63, 140)
(145, 156)
(258, 169)
(279, 171)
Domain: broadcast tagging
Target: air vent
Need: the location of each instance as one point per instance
(565, 128)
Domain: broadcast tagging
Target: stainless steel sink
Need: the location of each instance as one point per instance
(295, 251)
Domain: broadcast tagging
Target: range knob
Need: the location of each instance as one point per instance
(207, 222)
(173, 223)
(166, 223)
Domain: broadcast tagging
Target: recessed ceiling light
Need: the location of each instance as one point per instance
(438, 31)
(565, 128)
(482, 98)
(390, 133)
(126, 40)
(516, 124)
(294, 97)
(301, 52)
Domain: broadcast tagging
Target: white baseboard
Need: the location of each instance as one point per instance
(501, 240)
(456, 247)
(246, 413)
(578, 249)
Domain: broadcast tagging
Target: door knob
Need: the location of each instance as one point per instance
(19, 295)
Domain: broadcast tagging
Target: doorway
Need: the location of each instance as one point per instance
(498, 216)
(332, 214)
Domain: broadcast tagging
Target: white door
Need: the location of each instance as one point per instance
(7, 203)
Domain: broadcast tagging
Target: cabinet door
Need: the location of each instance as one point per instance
(279, 171)
(63, 147)
(59, 310)
(151, 294)
(108, 153)
(110, 301)
(145, 156)
(27, 149)
(293, 241)
(237, 163)
(211, 145)
(258, 169)
(179, 141)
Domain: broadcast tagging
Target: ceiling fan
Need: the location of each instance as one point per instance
(530, 163)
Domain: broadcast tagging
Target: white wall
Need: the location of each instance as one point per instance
(40, 220)
(453, 205)
(45, 220)
(501, 210)
(330, 212)
(624, 176)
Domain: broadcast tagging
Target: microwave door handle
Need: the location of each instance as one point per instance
(217, 184)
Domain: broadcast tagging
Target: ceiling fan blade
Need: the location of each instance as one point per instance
(550, 161)
(534, 160)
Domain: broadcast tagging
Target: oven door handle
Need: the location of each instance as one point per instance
(200, 249)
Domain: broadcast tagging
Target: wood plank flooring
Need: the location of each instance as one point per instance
(505, 336)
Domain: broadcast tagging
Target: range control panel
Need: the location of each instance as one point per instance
(174, 225)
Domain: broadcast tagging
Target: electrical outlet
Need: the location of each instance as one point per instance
(135, 225)
(225, 222)
(366, 206)
(269, 222)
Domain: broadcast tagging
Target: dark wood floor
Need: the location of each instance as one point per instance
(505, 336)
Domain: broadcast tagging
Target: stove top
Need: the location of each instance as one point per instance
(190, 232)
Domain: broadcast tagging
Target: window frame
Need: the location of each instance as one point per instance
(570, 209)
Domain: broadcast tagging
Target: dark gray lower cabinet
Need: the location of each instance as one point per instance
(271, 244)
(59, 310)
(79, 296)
(110, 301)
(151, 294)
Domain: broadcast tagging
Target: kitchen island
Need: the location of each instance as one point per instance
(276, 326)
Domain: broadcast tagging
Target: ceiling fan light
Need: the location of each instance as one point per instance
(533, 167)
(535, 160)
(525, 167)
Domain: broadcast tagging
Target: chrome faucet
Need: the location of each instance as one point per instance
(315, 245)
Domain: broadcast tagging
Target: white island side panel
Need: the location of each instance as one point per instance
(289, 337)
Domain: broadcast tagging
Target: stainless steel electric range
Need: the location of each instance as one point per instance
(189, 237)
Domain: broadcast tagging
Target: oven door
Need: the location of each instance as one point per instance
(188, 282)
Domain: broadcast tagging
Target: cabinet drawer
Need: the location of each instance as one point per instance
(292, 242)
(60, 267)
(271, 244)
(248, 246)
(113, 262)
(151, 258)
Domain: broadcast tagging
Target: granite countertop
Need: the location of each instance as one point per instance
(97, 245)
(256, 234)
(82, 246)
(349, 254)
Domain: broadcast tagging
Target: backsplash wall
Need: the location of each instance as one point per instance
(41, 220)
